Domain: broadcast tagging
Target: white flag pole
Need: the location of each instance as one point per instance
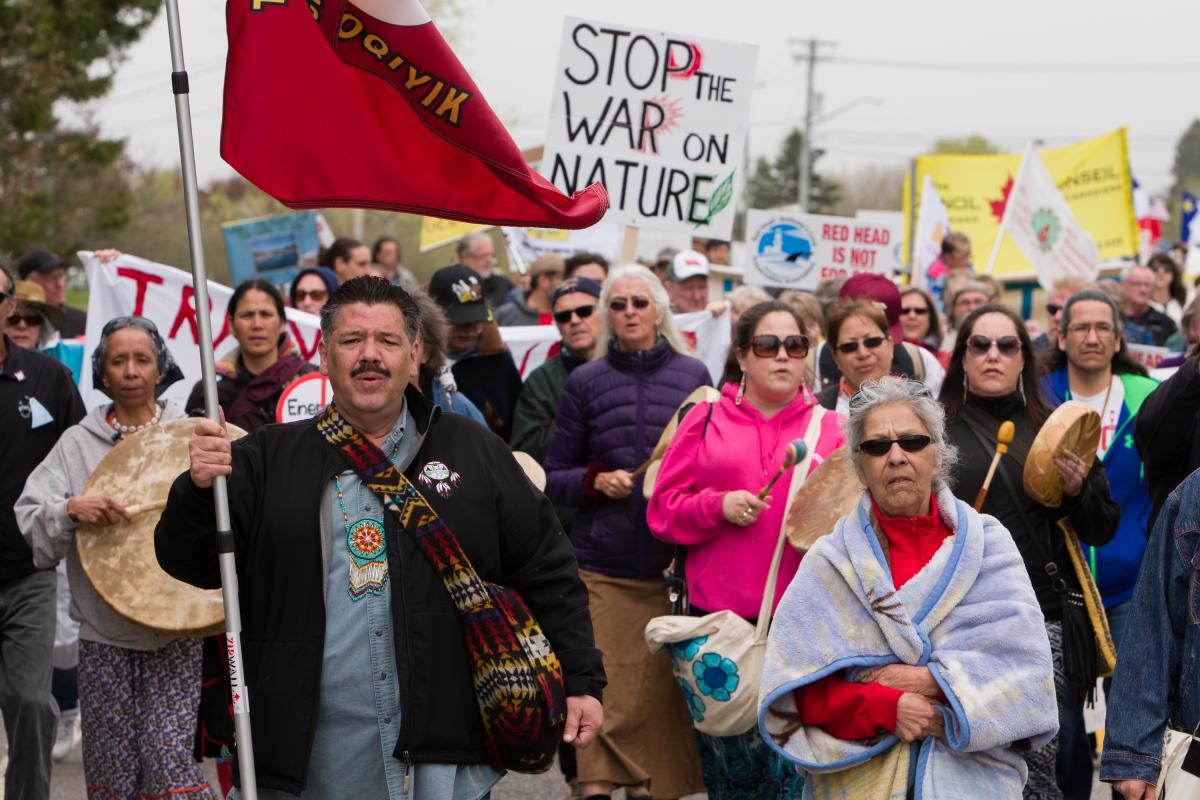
(225, 541)
(991, 264)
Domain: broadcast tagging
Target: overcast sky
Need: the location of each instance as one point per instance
(1057, 71)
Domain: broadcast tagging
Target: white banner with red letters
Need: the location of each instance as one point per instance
(130, 285)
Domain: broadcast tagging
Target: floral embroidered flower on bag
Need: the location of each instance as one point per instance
(716, 677)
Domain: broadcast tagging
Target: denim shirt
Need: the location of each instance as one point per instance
(358, 712)
(1156, 682)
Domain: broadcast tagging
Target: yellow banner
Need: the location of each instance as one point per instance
(1093, 176)
(436, 232)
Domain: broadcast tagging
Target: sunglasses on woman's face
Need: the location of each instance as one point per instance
(767, 345)
(30, 320)
(911, 443)
(920, 311)
(871, 342)
(620, 303)
(583, 312)
(317, 295)
(1008, 346)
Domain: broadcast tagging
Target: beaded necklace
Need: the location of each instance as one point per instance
(125, 430)
(367, 543)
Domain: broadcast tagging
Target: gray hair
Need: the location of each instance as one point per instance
(658, 294)
(887, 391)
(745, 296)
(468, 241)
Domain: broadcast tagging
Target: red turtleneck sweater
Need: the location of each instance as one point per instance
(851, 710)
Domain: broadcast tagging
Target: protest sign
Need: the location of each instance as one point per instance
(134, 286)
(602, 238)
(436, 232)
(304, 398)
(272, 248)
(798, 251)
(658, 118)
(1093, 176)
(933, 223)
(1148, 355)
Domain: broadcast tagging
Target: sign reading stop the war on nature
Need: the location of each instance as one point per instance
(658, 118)
(798, 251)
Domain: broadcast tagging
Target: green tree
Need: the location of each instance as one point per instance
(1187, 161)
(63, 186)
(973, 145)
(776, 183)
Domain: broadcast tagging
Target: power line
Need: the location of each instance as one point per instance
(961, 66)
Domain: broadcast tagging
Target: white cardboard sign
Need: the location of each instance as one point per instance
(659, 118)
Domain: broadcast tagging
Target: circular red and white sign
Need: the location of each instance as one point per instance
(304, 398)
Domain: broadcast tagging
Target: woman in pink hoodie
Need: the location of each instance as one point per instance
(705, 499)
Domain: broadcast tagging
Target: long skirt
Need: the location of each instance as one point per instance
(744, 768)
(138, 717)
(647, 736)
(1043, 773)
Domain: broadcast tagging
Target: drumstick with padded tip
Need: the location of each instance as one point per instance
(138, 508)
(794, 454)
(1004, 436)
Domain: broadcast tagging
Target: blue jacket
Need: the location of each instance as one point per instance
(1157, 682)
(610, 416)
(1115, 565)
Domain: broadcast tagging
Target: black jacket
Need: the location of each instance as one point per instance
(1093, 514)
(1167, 433)
(505, 526)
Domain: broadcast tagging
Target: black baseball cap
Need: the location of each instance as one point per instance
(572, 285)
(39, 261)
(459, 292)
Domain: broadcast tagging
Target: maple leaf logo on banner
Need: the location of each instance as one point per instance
(998, 206)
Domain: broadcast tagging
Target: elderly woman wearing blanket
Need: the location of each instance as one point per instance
(908, 657)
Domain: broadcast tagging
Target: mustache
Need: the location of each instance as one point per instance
(369, 367)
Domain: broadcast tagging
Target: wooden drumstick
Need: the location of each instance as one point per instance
(794, 454)
(138, 508)
(1003, 437)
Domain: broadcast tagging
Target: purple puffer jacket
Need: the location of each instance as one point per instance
(610, 416)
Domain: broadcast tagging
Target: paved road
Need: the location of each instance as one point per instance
(68, 783)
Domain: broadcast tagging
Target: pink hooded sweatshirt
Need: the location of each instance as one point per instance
(727, 564)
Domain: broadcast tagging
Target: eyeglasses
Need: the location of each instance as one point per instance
(316, 295)
(920, 311)
(871, 342)
(1082, 329)
(31, 320)
(911, 443)
(1052, 309)
(620, 303)
(583, 312)
(1008, 346)
(767, 345)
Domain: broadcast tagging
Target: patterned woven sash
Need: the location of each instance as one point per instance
(518, 680)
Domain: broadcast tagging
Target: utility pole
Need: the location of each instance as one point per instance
(810, 55)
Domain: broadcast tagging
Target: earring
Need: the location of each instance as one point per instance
(741, 390)
(1021, 387)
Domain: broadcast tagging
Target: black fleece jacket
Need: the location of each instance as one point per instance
(507, 528)
(1093, 514)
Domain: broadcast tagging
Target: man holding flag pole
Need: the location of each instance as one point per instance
(364, 685)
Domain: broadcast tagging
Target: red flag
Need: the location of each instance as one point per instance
(373, 110)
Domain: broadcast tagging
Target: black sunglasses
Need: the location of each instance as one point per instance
(620, 303)
(1053, 308)
(911, 443)
(920, 311)
(767, 345)
(4, 296)
(316, 294)
(1008, 346)
(871, 342)
(583, 312)
(32, 319)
